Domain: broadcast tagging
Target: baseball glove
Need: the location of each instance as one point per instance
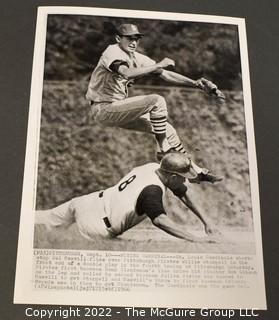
(210, 88)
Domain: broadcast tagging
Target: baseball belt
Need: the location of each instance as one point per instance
(105, 219)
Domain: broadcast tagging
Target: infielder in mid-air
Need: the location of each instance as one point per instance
(107, 94)
(135, 197)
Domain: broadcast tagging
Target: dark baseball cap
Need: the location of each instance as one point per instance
(128, 29)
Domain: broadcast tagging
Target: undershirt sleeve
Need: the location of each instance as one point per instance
(179, 190)
(110, 55)
(114, 66)
(150, 202)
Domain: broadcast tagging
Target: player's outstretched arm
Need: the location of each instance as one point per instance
(208, 226)
(177, 78)
(205, 85)
(132, 73)
(164, 223)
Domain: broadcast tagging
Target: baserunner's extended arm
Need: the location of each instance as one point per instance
(166, 224)
(209, 228)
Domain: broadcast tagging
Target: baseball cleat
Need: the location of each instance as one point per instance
(205, 177)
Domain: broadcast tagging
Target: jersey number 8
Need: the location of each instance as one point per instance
(124, 184)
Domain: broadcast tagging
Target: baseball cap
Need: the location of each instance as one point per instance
(175, 162)
(128, 29)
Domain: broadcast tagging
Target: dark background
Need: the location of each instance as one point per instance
(210, 50)
(17, 27)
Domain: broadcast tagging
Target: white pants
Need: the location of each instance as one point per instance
(87, 211)
(134, 114)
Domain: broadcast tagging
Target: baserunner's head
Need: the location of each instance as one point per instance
(175, 163)
(128, 37)
(173, 170)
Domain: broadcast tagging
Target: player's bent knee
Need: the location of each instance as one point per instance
(159, 105)
(159, 101)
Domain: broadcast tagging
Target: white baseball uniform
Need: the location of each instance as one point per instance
(106, 85)
(110, 212)
(110, 105)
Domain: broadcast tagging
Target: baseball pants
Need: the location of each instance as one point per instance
(134, 113)
(87, 211)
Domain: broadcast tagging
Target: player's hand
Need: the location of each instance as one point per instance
(205, 84)
(212, 230)
(210, 88)
(166, 62)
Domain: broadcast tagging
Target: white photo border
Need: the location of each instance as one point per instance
(24, 292)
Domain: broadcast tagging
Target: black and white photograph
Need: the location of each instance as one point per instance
(119, 96)
(140, 140)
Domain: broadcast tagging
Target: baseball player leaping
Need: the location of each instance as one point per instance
(107, 94)
(135, 197)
